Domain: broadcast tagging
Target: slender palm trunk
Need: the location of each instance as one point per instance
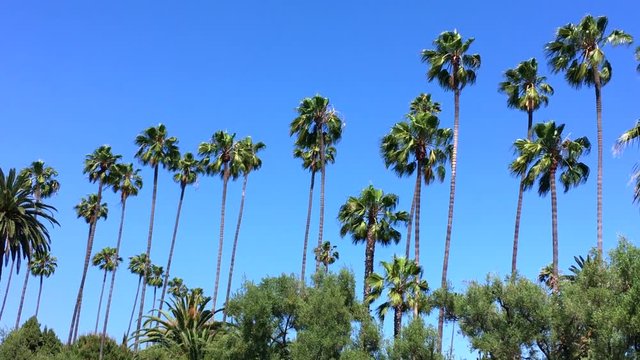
(104, 281)
(235, 246)
(416, 199)
(75, 320)
(411, 215)
(6, 293)
(155, 291)
(368, 259)
(39, 293)
(135, 301)
(306, 229)
(225, 182)
(113, 279)
(322, 183)
(173, 243)
(554, 226)
(452, 196)
(598, 85)
(149, 238)
(397, 321)
(24, 292)
(453, 333)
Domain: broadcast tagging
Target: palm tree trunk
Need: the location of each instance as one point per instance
(75, 320)
(554, 227)
(6, 293)
(113, 279)
(225, 182)
(135, 301)
(452, 196)
(24, 292)
(417, 198)
(104, 281)
(306, 229)
(411, 215)
(397, 321)
(322, 183)
(235, 245)
(39, 293)
(149, 238)
(368, 260)
(596, 78)
(173, 243)
(155, 291)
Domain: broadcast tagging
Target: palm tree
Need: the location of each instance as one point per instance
(318, 124)
(128, 182)
(43, 265)
(249, 161)
(106, 259)
(542, 158)
(6, 292)
(450, 64)
(138, 266)
(638, 58)
(42, 183)
(628, 137)
(100, 166)
(188, 169)
(371, 218)
(417, 145)
(402, 280)
(220, 158)
(526, 91)
(578, 51)
(311, 160)
(177, 288)
(155, 148)
(326, 254)
(155, 280)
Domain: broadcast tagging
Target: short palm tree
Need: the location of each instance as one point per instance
(43, 266)
(155, 148)
(326, 254)
(99, 166)
(107, 260)
(526, 91)
(543, 158)
(578, 51)
(402, 280)
(627, 138)
(317, 124)
(370, 218)
(155, 279)
(454, 69)
(138, 266)
(177, 288)
(188, 168)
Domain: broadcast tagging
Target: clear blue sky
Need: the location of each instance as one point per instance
(76, 75)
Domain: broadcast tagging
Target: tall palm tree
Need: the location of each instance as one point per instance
(371, 218)
(188, 169)
(128, 182)
(542, 158)
(107, 260)
(220, 158)
(249, 162)
(578, 51)
(402, 280)
(326, 254)
(627, 138)
(138, 266)
(42, 183)
(526, 91)
(453, 68)
(177, 287)
(310, 157)
(417, 145)
(43, 265)
(155, 279)
(317, 123)
(99, 166)
(155, 148)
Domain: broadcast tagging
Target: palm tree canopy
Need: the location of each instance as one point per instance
(627, 138)
(126, 180)
(106, 259)
(85, 209)
(310, 156)
(577, 50)
(525, 89)
(219, 152)
(549, 151)
(316, 118)
(449, 62)
(188, 168)
(418, 141)
(177, 288)
(155, 276)
(155, 147)
(22, 233)
(372, 211)
(248, 154)
(326, 253)
(43, 264)
(100, 164)
(41, 179)
(423, 104)
(138, 264)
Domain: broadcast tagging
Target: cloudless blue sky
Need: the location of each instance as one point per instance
(75, 75)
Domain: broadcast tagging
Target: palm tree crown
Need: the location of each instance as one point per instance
(188, 168)
(326, 254)
(423, 104)
(317, 121)
(138, 264)
(100, 164)
(126, 180)
(43, 264)
(525, 89)
(449, 63)
(87, 208)
(106, 259)
(627, 138)
(219, 155)
(41, 179)
(155, 147)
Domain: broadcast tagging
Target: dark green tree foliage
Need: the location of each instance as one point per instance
(29, 341)
(416, 342)
(88, 347)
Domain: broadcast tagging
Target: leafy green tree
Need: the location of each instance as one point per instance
(542, 158)
(578, 51)
(107, 260)
(99, 166)
(627, 138)
(326, 254)
(29, 342)
(370, 219)
(526, 91)
(88, 347)
(155, 148)
(453, 68)
(138, 266)
(416, 341)
(43, 265)
(317, 124)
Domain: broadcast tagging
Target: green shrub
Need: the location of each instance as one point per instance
(87, 347)
(29, 342)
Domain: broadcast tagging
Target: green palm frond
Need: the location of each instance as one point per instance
(126, 180)
(449, 62)
(88, 208)
(156, 148)
(106, 259)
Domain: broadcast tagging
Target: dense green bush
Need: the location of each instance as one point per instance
(29, 342)
(87, 347)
